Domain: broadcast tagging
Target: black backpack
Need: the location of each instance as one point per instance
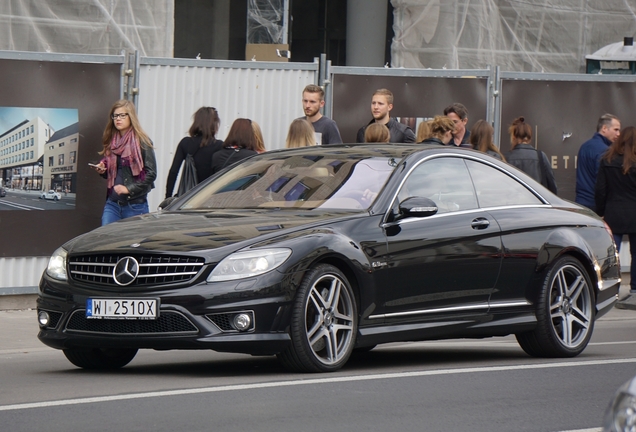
(188, 175)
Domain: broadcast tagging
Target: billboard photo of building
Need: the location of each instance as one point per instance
(38, 158)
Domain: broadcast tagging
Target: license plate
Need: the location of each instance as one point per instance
(122, 308)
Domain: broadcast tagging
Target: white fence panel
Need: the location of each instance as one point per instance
(171, 90)
(21, 275)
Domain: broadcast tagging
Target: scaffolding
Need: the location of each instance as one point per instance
(517, 35)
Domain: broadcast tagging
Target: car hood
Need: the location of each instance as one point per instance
(179, 232)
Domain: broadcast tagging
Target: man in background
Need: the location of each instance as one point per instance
(326, 130)
(459, 115)
(381, 106)
(607, 131)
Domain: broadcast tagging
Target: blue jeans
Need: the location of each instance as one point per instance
(114, 212)
(618, 238)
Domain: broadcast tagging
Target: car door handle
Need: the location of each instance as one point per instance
(480, 223)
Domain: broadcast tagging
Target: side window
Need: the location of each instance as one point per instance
(445, 181)
(495, 189)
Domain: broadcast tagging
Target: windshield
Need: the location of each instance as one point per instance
(320, 180)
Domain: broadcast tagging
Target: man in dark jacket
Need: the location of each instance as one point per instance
(381, 106)
(590, 153)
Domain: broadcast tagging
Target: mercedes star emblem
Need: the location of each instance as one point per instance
(126, 271)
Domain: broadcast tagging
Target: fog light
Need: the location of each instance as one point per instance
(242, 321)
(43, 318)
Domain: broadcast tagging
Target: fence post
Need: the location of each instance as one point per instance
(496, 120)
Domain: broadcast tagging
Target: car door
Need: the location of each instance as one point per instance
(525, 222)
(447, 263)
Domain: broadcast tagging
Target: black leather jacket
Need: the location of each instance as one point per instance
(138, 187)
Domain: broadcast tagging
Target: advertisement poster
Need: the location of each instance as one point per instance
(38, 158)
(52, 117)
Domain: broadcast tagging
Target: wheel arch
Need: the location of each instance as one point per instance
(566, 242)
(344, 265)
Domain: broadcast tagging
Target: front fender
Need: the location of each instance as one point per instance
(331, 245)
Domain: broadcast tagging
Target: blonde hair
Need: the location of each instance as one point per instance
(386, 93)
(258, 135)
(111, 130)
(424, 131)
(377, 132)
(301, 134)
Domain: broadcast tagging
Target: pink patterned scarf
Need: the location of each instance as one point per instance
(129, 149)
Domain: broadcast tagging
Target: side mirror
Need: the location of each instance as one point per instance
(417, 207)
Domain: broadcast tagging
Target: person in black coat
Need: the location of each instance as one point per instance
(201, 143)
(615, 192)
(381, 106)
(524, 156)
(240, 143)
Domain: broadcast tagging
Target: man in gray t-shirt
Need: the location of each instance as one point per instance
(325, 128)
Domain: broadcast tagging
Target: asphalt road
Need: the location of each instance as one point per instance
(463, 385)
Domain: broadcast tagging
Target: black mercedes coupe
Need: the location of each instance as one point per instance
(309, 254)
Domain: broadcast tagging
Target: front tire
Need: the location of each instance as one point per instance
(100, 358)
(565, 313)
(323, 324)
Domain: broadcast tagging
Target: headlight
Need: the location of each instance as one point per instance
(57, 265)
(246, 264)
(621, 414)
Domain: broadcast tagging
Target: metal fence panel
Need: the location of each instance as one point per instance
(21, 275)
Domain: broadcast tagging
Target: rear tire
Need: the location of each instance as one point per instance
(324, 322)
(100, 358)
(565, 313)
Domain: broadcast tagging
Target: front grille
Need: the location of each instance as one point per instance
(153, 269)
(168, 322)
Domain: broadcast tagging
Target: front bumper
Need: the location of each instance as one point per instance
(192, 317)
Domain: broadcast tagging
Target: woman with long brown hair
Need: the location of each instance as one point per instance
(201, 143)
(615, 192)
(239, 144)
(481, 138)
(128, 164)
(528, 159)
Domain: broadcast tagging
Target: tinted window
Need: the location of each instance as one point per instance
(495, 188)
(445, 181)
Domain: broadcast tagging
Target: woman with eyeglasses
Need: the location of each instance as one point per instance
(128, 164)
(201, 143)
